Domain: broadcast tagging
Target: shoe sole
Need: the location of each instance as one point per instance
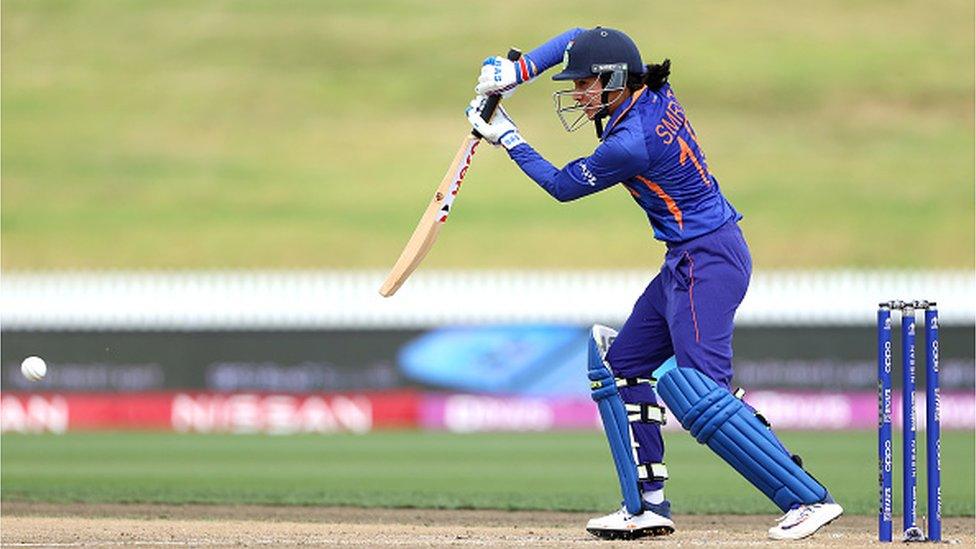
(653, 531)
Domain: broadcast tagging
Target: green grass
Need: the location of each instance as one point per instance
(566, 471)
(267, 133)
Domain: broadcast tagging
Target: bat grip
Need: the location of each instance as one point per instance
(492, 103)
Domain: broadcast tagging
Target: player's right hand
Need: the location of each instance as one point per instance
(498, 76)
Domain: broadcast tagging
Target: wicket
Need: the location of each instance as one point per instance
(909, 450)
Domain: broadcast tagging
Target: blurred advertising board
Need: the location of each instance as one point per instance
(200, 412)
(319, 413)
(542, 360)
(238, 361)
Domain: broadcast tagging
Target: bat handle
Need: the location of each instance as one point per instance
(492, 104)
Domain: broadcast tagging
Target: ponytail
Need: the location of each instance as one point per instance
(654, 76)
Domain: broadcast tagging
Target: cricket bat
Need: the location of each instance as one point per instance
(435, 215)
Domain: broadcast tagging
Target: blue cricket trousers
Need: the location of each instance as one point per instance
(688, 311)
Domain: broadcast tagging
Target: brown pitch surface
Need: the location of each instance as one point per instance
(149, 525)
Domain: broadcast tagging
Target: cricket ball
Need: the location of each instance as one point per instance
(34, 368)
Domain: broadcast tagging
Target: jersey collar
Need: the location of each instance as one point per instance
(622, 110)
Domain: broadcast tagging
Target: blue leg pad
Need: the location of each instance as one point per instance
(715, 417)
(614, 417)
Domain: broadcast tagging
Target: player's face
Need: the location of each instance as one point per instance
(586, 93)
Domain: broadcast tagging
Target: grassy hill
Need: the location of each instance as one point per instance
(311, 134)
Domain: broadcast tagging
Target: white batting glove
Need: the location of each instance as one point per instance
(500, 131)
(498, 76)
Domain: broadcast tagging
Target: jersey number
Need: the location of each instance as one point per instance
(688, 154)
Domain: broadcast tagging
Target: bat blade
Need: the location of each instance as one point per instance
(434, 217)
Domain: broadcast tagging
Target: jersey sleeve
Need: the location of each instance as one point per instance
(615, 160)
(547, 55)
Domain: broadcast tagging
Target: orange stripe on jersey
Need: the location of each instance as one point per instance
(633, 100)
(633, 191)
(668, 201)
(686, 154)
(691, 132)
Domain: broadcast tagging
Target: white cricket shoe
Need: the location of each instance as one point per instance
(623, 525)
(805, 520)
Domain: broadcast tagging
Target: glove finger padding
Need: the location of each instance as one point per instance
(498, 76)
(473, 113)
(500, 131)
(482, 127)
(476, 105)
(501, 116)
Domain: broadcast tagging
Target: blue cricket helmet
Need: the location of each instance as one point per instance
(600, 50)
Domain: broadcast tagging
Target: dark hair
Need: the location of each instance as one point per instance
(654, 76)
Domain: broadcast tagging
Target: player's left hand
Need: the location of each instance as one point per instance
(498, 76)
(500, 131)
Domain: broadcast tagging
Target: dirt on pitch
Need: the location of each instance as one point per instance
(74, 525)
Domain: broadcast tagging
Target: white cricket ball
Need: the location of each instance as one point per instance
(34, 368)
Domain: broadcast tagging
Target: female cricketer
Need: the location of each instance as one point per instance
(687, 311)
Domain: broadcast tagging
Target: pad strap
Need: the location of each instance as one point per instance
(652, 472)
(645, 413)
(634, 381)
(740, 394)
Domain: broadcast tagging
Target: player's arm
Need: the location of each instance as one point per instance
(612, 162)
(621, 156)
(501, 76)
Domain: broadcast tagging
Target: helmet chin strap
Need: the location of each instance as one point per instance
(598, 125)
(604, 112)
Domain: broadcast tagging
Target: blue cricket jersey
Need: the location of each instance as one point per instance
(649, 146)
